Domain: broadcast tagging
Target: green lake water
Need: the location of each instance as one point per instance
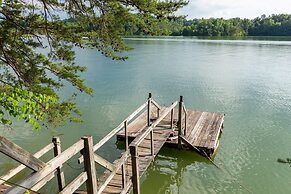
(248, 79)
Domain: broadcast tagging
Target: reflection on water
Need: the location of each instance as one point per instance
(249, 80)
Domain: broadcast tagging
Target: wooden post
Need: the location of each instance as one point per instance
(135, 170)
(126, 135)
(158, 112)
(149, 109)
(180, 122)
(185, 128)
(60, 174)
(152, 142)
(172, 118)
(89, 163)
(123, 172)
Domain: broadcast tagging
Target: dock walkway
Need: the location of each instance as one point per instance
(144, 132)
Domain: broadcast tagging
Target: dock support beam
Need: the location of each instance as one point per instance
(60, 174)
(135, 170)
(180, 122)
(149, 108)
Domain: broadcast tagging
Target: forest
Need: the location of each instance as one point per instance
(273, 25)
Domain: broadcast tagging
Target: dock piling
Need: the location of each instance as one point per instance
(135, 170)
(149, 109)
(89, 163)
(60, 174)
(180, 122)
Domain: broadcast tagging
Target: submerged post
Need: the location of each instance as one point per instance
(135, 170)
(149, 108)
(180, 122)
(60, 174)
(89, 163)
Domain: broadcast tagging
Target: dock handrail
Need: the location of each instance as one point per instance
(11, 173)
(124, 124)
(119, 164)
(119, 127)
(115, 130)
(141, 137)
(135, 143)
(40, 177)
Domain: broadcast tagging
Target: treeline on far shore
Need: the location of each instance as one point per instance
(273, 25)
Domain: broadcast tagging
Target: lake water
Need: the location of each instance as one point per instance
(248, 80)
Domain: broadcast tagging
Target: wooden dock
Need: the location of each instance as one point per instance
(144, 132)
(202, 130)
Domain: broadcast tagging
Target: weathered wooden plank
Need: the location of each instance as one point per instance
(215, 136)
(138, 139)
(19, 168)
(219, 126)
(205, 130)
(112, 174)
(44, 181)
(212, 131)
(75, 184)
(198, 127)
(112, 189)
(17, 153)
(156, 104)
(192, 125)
(103, 162)
(192, 120)
(50, 167)
(135, 126)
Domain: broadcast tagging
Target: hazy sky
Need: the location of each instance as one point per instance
(235, 8)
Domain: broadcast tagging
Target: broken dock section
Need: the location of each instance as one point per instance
(144, 133)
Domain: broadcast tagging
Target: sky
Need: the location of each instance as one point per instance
(234, 8)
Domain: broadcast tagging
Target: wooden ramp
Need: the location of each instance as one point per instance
(144, 132)
(149, 139)
(144, 158)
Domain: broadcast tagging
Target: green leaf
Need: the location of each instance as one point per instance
(6, 121)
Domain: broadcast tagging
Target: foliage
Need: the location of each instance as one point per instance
(36, 56)
(274, 25)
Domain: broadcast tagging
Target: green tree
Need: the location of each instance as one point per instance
(36, 56)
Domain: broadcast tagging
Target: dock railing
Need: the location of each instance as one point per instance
(185, 119)
(181, 133)
(44, 172)
(136, 142)
(113, 168)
